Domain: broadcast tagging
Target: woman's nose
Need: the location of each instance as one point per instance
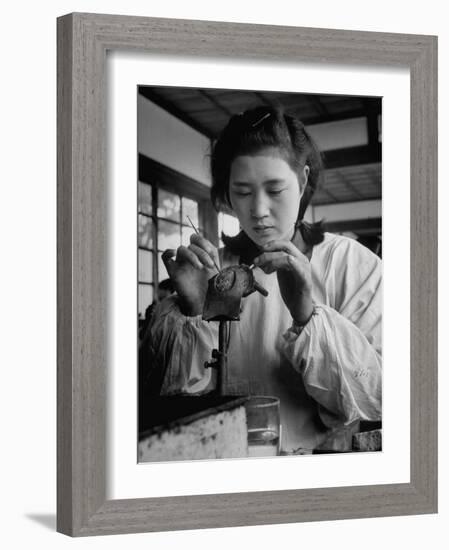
(259, 206)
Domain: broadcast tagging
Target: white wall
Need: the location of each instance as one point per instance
(340, 134)
(164, 138)
(27, 403)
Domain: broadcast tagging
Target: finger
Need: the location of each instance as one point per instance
(168, 259)
(281, 261)
(273, 262)
(185, 255)
(206, 245)
(268, 257)
(203, 256)
(282, 246)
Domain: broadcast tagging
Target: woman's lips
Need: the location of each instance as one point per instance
(263, 228)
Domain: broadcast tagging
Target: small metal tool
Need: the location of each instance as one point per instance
(197, 232)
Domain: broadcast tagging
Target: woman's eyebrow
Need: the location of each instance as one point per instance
(274, 180)
(240, 183)
(270, 181)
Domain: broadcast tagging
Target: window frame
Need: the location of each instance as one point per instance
(161, 177)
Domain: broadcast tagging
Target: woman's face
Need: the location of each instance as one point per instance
(265, 194)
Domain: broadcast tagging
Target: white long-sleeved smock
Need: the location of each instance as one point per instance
(327, 374)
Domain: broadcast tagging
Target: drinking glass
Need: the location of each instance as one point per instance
(263, 423)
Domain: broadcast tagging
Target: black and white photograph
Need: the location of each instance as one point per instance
(259, 273)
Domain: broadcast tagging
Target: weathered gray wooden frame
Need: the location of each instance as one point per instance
(83, 40)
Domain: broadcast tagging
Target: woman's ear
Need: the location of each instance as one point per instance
(303, 179)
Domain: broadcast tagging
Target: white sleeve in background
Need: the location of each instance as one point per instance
(338, 352)
(182, 345)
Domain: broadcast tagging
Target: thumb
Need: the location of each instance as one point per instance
(167, 258)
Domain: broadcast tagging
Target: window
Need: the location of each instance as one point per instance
(162, 223)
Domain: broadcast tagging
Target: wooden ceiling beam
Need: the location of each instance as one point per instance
(350, 186)
(351, 156)
(211, 99)
(331, 196)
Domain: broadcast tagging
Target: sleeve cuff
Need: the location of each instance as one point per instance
(297, 328)
(173, 308)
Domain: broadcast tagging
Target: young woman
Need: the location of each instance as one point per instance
(315, 340)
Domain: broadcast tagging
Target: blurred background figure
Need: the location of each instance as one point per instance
(164, 289)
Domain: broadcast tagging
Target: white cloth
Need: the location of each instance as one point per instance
(328, 375)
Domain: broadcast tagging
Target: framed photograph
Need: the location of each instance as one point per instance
(341, 141)
(156, 115)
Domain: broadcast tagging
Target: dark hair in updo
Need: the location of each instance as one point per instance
(250, 132)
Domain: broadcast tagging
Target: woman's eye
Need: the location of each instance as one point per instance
(275, 192)
(242, 194)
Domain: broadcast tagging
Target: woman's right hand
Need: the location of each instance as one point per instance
(190, 269)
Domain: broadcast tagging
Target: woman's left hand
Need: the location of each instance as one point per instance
(294, 276)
